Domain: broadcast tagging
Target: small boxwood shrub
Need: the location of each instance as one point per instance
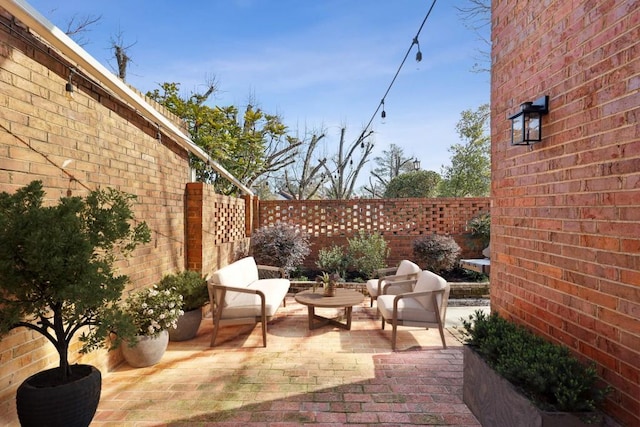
(480, 226)
(367, 253)
(333, 260)
(546, 373)
(436, 253)
(191, 285)
(281, 245)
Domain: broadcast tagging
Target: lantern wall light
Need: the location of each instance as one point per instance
(526, 125)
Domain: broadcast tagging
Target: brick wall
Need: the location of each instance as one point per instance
(74, 146)
(216, 230)
(400, 221)
(566, 216)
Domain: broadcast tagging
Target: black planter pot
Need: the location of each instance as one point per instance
(72, 404)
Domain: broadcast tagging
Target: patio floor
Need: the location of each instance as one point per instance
(327, 376)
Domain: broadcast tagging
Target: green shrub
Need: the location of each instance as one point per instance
(367, 253)
(281, 245)
(480, 226)
(546, 373)
(191, 285)
(436, 252)
(333, 259)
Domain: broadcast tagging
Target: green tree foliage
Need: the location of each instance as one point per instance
(469, 174)
(391, 164)
(413, 184)
(56, 265)
(249, 145)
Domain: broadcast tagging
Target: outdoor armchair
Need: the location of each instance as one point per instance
(424, 306)
(395, 280)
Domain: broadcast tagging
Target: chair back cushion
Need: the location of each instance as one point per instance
(429, 281)
(239, 274)
(407, 267)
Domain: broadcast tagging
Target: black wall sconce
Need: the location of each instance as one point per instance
(526, 125)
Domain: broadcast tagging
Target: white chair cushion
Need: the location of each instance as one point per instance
(238, 274)
(409, 310)
(407, 267)
(240, 304)
(429, 281)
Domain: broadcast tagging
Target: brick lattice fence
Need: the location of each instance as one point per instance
(399, 221)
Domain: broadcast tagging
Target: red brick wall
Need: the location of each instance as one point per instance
(216, 231)
(107, 144)
(400, 221)
(566, 216)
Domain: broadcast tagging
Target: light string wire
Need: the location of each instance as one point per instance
(381, 104)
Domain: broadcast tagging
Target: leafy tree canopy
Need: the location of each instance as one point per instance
(413, 184)
(469, 174)
(249, 145)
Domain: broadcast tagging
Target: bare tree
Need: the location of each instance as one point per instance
(343, 177)
(120, 52)
(79, 26)
(477, 17)
(305, 180)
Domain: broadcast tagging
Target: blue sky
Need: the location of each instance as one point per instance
(318, 64)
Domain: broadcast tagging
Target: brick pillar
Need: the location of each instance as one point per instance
(193, 210)
(248, 214)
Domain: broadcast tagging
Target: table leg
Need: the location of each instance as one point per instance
(312, 314)
(316, 321)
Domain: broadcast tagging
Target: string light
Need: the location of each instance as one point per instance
(418, 58)
(418, 53)
(68, 88)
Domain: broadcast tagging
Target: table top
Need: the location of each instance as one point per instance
(343, 298)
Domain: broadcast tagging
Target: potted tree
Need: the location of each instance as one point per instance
(58, 279)
(513, 377)
(193, 288)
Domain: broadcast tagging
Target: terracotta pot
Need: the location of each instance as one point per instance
(147, 352)
(330, 289)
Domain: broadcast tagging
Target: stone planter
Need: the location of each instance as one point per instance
(147, 352)
(187, 327)
(496, 402)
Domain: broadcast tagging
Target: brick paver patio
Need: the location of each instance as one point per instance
(327, 376)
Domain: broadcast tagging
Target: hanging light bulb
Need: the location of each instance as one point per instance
(384, 113)
(418, 53)
(68, 88)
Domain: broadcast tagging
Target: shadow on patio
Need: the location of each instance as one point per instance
(326, 376)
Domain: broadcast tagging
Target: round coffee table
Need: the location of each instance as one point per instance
(344, 298)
